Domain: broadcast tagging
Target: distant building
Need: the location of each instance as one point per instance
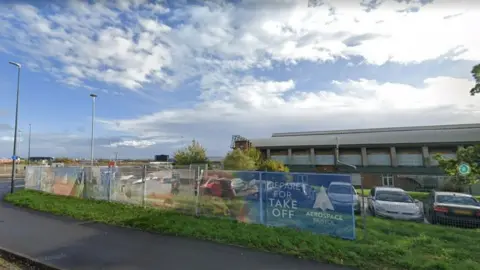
(382, 156)
(163, 158)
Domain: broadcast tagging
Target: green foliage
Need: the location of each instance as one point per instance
(470, 156)
(192, 154)
(238, 160)
(271, 165)
(255, 155)
(476, 76)
(251, 159)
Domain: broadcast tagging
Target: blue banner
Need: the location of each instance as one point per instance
(320, 203)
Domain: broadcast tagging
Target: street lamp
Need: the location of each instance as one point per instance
(29, 141)
(14, 155)
(93, 96)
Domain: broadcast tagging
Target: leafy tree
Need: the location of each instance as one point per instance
(470, 156)
(251, 159)
(476, 77)
(192, 154)
(271, 165)
(239, 160)
(255, 155)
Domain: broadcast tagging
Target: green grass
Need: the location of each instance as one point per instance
(415, 194)
(388, 244)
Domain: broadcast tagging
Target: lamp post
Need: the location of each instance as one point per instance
(29, 142)
(14, 155)
(93, 96)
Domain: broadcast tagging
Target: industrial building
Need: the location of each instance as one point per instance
(401, 156)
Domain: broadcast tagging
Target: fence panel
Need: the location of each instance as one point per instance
(126, 184)
(320, 203)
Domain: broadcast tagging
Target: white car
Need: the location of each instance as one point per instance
(341, 193)
(394, 203)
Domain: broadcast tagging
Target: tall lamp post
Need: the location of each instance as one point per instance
(29, 142)
(93, 126)
(14, 155)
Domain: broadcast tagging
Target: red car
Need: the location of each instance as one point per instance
(218, 188)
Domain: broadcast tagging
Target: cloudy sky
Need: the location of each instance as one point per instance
(168, 72)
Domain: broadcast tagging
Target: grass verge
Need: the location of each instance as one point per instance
(388, 245)
(415, 194)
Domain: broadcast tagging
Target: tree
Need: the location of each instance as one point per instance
(476, 77)
(192, 154)
(251, 159)
(271, 165)
(470, 156)
(255, 155)
(239, 160)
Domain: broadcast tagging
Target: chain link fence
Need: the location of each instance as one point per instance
(349, 206)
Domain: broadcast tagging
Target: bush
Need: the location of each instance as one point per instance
(271, 165)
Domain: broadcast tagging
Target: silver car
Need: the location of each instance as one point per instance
(394, 203)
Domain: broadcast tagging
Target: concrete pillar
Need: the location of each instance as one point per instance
(268, 153)
(426, 156)
(393, 156)
(364, 157)
(312, 156)
(289, 159)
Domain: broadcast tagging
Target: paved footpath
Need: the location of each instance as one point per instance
(69, 244)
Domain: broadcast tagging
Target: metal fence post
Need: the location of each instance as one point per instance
(84, 183)
(364, 210)
(144, 187)
(109, 190)
(198, 178)
(262, 213)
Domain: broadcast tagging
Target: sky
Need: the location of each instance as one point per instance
(169, 72)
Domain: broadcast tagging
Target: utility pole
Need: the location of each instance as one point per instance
(29, 142)
(93, 96)
(14, 155)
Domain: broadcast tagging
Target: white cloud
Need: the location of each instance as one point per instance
(352, 104)
(129, 46)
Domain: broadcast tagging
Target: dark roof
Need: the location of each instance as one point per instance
(468, 134)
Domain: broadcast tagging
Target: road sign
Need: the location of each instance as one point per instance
(464, 169)
(14, 157)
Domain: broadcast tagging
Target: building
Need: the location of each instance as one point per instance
(401, 156)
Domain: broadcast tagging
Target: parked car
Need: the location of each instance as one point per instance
(452, 208)
(394, 203)
(219, 187)
(343, 194)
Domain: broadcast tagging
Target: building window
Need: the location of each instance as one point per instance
(387, 180)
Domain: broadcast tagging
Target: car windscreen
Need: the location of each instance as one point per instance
(341, 189)
(460, 200)
(393, 196)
